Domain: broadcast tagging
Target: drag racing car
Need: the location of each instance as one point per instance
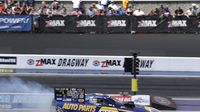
(75, 100)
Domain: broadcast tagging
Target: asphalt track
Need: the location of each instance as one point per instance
(100, 44)
(163, 86)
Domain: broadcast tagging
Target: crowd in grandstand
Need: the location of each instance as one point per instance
(102, 7)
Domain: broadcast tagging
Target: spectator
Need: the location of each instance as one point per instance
(55, 6)
(179, 12)
(76, 4)
(43, 8)
(62, 10)
(16, 9)
(24, 9)
(124, 4)
(30, 2)
(9, 4)
(138, 12)
(2, 8)
(161, 10)
(110, 12)
(99, 6)
(95, 9)
(194, 9)
(167, 12)
(82, 9)
(8, 11)
(2, 12)
(53, 9)
(113, 6)
(99, 9)
(101, 12)
(154, 12)
(30, 10)
(49, 11)
(120, 11)
(91, 12)
(76, 12)
(129, 11)
(189, 12)
(104, 3)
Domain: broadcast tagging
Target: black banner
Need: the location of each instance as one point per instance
(149, 24)
(194, 24)
(116, 24)
(82, 24)
(178, 24)
(123, 24)
(52, 24)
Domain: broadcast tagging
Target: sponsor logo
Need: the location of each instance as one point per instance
(147, 23)
(162, 100)
(8, 60)
(177, 23)
(86, 23)
(43, 62)
(146, 63)
(73, 62)
(116, 23)
(96, 63)
(122, 98)
(107, 63)
(79, 107)
(141, 99)
(81, 100)
(59, 62)
(30, 62)
(14, 20)
(55, 23)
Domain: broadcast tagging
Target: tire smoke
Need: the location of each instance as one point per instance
(19, 94)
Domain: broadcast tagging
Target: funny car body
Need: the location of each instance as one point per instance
(95, 103)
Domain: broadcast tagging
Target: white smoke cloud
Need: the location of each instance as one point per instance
(20, 94)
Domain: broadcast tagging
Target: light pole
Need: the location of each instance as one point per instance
(135, 72)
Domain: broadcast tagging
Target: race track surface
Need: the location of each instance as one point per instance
(104, 44)
(173, 87)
